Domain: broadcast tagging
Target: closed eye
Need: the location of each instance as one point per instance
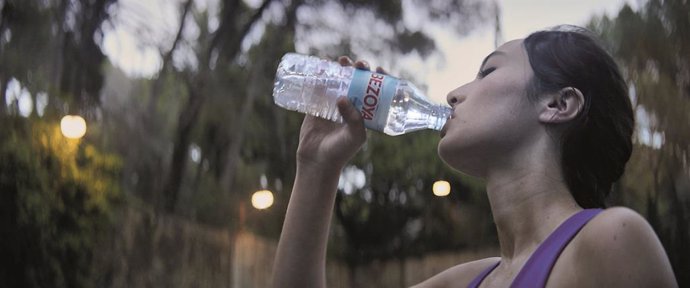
(485, 72)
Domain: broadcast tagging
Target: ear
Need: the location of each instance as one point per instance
(562, 106)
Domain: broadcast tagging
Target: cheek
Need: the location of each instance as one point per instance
(509, 85)
(500, 100)
(494, 119)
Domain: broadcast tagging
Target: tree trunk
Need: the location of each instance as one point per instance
(233, 155)
(167, 58)
(227, 178)
(3, 92)
(56, 67)
(185, 125)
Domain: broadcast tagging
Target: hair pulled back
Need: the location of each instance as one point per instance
(597, 144)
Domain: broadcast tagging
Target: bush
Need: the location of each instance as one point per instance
(56, 196)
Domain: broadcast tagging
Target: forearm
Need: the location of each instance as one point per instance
(301, 256)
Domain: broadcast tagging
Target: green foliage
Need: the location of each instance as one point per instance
(57, 195)
(396, 215)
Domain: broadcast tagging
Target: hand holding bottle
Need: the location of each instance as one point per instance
(329, 144)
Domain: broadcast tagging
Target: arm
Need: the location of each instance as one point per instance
(325, 147)
(301, 256)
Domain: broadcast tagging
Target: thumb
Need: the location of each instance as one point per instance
(350, 114)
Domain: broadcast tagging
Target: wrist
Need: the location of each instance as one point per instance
(320, 168)
(317, 181)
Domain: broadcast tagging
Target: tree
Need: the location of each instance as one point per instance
(53, 47)
(220, 49)
(56, 193)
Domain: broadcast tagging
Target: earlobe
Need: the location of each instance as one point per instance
(562, 106)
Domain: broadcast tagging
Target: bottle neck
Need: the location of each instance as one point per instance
(438, 117)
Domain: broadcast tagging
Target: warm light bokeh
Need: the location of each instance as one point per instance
(441, 188)
(262, 199)
(73, 126)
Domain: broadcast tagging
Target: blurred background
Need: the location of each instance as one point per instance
(139, 146)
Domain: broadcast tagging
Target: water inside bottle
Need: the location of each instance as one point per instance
(311, 85)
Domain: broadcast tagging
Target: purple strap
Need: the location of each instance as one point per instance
(536, 271)
(478, 280)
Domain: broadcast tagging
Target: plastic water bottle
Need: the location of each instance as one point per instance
(393, 106)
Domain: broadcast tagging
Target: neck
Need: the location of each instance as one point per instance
(529, 199)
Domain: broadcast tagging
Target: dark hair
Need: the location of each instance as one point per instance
(596, 145)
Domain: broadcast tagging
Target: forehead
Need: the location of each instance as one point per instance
(511, 57)
(512, 51)
(514, 46)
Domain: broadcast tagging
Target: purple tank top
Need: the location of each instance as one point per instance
(536, 270)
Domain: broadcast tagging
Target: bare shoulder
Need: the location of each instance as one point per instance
(615, 222)
(460, 275)
(618, 248)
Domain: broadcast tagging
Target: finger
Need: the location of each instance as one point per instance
(345, 61)
(381, 70)
(360, 64)
(350, 114)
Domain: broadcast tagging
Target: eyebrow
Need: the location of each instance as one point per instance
(492, 54)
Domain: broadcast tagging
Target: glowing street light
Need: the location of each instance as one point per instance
(441, 188)
(262, 199)
(73, 126)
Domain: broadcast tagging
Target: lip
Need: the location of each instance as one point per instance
(444, 129)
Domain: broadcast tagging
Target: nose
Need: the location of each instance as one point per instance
(452, 99)
(455, 97)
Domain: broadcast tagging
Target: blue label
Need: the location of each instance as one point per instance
(372, 93)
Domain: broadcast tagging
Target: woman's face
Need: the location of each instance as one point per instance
(492, 117)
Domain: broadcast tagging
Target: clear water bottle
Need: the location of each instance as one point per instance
(393, 106)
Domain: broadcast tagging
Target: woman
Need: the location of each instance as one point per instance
(548, 124)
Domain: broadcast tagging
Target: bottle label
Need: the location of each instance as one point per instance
(371, 93)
